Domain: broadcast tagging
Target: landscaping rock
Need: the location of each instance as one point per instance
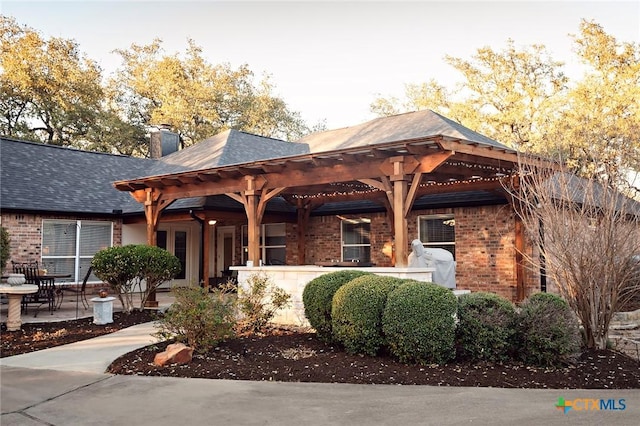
(176, 353)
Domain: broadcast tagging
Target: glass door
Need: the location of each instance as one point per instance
(176, 242)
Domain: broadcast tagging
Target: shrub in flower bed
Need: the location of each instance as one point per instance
(486, 327)
(201, 319)
(318, 296)
(357, 313)
(418, 323)
(548, 331)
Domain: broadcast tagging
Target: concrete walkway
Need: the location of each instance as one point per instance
(67, 386)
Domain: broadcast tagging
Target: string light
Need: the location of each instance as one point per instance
(358, 188)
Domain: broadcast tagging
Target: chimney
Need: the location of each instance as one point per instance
(163, 142)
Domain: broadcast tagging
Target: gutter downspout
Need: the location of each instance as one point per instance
(200, 254)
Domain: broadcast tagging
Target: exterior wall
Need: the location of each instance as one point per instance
(25, 231)
(485, 246)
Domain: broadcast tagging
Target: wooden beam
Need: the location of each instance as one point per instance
(264, 199)
(413, 191)
(479, 151)
(383, 185)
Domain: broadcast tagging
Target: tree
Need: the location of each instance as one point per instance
(50, 91)
(196, 98)
(522, 98)
(506, 95)
(598, 124)
(588, 234)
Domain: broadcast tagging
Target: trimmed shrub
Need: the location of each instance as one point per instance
(418, 322)
(357, 313)
(486, 327)
(115, 266)
(201, 319)
(125, 268)
(548, 331)
(318, 296)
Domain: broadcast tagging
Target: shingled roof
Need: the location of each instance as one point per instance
(227, 148)
(48, 178)
(40, 177)
(402, 127)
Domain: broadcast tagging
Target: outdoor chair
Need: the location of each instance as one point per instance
(45, 293)
(79, 292)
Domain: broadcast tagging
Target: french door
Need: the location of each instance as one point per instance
(176, 241)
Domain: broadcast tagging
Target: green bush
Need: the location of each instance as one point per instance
(115, 266)
(356, 313)
(318, 296)
(418, 322)
(201, 319)
(486, 327)
(258, 301)
(5, 249)
(125, 268)
(548, 331)
(155, 266)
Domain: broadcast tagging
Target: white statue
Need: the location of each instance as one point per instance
(440, 259)
(418, 257)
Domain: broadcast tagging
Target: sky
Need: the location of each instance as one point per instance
(329, 60)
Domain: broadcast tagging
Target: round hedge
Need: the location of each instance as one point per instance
(486, 327)
(548, 331)
(418, 323)
(357, 313)
(318, 296)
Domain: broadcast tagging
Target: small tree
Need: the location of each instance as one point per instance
(587, 236)
(115, 266)
(155, 266)
(5, 249)
(126, 268)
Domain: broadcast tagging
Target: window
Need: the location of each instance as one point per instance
(69, 245)
(438, 231)
(273, 243)
(356, 244)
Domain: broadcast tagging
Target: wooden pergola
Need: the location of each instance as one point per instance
(393, 174)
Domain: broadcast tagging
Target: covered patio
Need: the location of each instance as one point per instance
(391, 161)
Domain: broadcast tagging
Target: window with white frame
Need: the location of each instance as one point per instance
(69, 245)
(356, 241)
(273, 243)
(438, 231)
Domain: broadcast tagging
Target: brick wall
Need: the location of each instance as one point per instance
(25, 231)
(485, 245)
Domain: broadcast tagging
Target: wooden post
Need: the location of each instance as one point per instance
(303, 211)
(152, 214)
(253, 227)
(399, 180)
(519, 248)
(206, 244)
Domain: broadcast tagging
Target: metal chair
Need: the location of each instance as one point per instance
(79, 292)
(45, 293)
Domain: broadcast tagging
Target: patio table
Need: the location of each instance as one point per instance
(14, 294)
